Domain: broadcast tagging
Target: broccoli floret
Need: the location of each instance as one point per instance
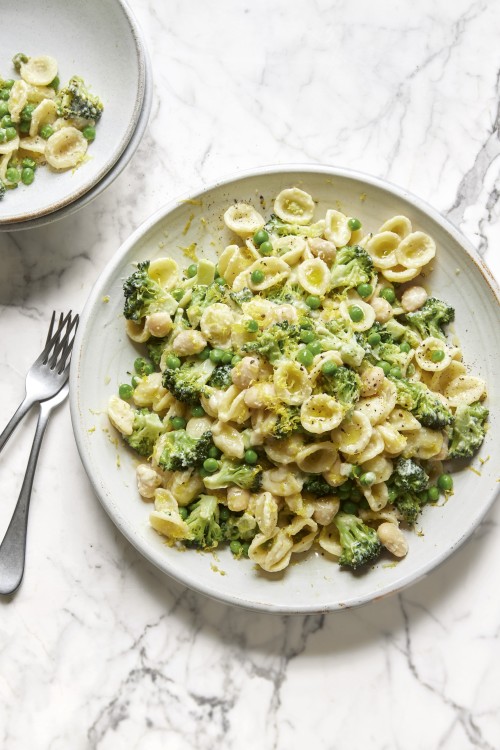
(203, 523)
(188, 382)
(221, 377)
(409, 506)
(353, 266)
(242, 475)
(385, 336)
(203, 296)
(242, 527)
(142, 294)
(336, 335)
(288, 420)
(290, 294)
(430, 319)
(422, 403)
(468, 430)
(360, 543)
(316, 485)
(408, 475)
(245, 295)
(176, 450)
(399, 333)
(18, 60)
(276, 226)
(146, 431)
(392, 353)
(343, 384)
(155, 349)
(280, 340)
(75, 101)
(2, 190)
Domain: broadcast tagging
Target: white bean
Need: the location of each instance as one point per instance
(383, 309)
(237, 499)
(392, 539)
(323, 249)
(159, 324)
(259, 396)
(189, 342)
(326, 510)
(245, 372)
(413, 298)
(371, 381)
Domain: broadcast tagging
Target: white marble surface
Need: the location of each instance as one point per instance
(98, 649)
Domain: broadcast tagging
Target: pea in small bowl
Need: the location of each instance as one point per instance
(103, 354)
(101, 43)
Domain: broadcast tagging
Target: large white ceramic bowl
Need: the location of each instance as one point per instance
(103, 355)
(100, 42)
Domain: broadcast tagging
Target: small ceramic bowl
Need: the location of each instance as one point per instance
(103, 355)
(101, 43)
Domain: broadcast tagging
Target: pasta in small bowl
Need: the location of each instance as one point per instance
(301, 388)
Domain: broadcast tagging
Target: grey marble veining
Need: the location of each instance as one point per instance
(101, 651)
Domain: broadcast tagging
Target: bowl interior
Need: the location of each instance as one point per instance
(104, 355)
(98, 42)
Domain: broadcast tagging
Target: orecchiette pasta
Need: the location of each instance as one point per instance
(243, 219)
(295, 206)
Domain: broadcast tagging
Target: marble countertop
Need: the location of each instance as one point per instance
(98, 649)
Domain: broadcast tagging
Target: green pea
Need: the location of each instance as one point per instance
(305, 357)
(27, 112)
(445, 482)
(203, 472)
(12, 174)
(388, 294)
(139, 365)
(356, 314)
(10, 133)
(364, 290)
(349, 507)
(89, 133)
(3, 136)
(183, 512)
(204, 354)
(306, 324)
(395, 372)
(216, 355)
(135, 380)
(423, 497)
(374, 339)
(192, 270)
(385, 366)
(27, 175)
(437, 355)
(251, 457)
(235, 547)
(46, 131)
(197, 411)
(211, 465)
(236, 359)
(433, 493)
(220, 281)
(260, 236)
(6, 121)
(329, 368)
(178, 423)
(227, 358)
(245, 546)
(214, 452)
(24, 127)
(354, 224)
(9, 83)
(257, 276)
(224, 513)
(307, 336)
(315, 347)
(252, 326)
(4, 109)
(368, 478)
(404, 347)
(177, 294)
(125, 391)
(4, 94)
(344, 491)
(313, 302)
(266, 248)
(172, 362)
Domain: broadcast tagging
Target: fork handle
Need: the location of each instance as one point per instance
(24, 407)
(13, 547)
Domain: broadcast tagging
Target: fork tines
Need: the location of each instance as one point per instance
(59, 344)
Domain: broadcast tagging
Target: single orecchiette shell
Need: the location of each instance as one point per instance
(371, 381)
(316, 458)
(264, 508)
(283, 451)
(302, 531)
(228, 439)
(423, 355)
(197, 426)
(354, 433)
(165, 272)
(271, 553)
(291, 383)
(232, 406)
(392, 539)
(35, 145)
(329, 540)
(382, 249)
(44, 114)
(377, 495)
(17, 100)
(9, 146)
(400, 274)
(413, 298)
(416, 250)
(465, 389)
(380, 466)
(281, 482)
(259, 396)
(394, 442)
(399, 225)
(137, 331)
(289, 249)
(121, 415)
(382, 309)
(366, 321)
(321, 413)
(424, 443)
(275, 271)
(66, 148)
(314, 276)
(337, 228)
(243, 219)
(374, 447)
(185, 486)
(294, 206)
(216, 323)
(39, 71)
(166, 518)
(403, 420)
(280, 313)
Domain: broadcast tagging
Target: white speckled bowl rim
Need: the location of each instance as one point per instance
(9, 222)
(155, 555)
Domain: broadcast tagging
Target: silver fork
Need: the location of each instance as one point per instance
(49, 372)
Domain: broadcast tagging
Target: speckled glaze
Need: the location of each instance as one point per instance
(111, 57)
(103, 355)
